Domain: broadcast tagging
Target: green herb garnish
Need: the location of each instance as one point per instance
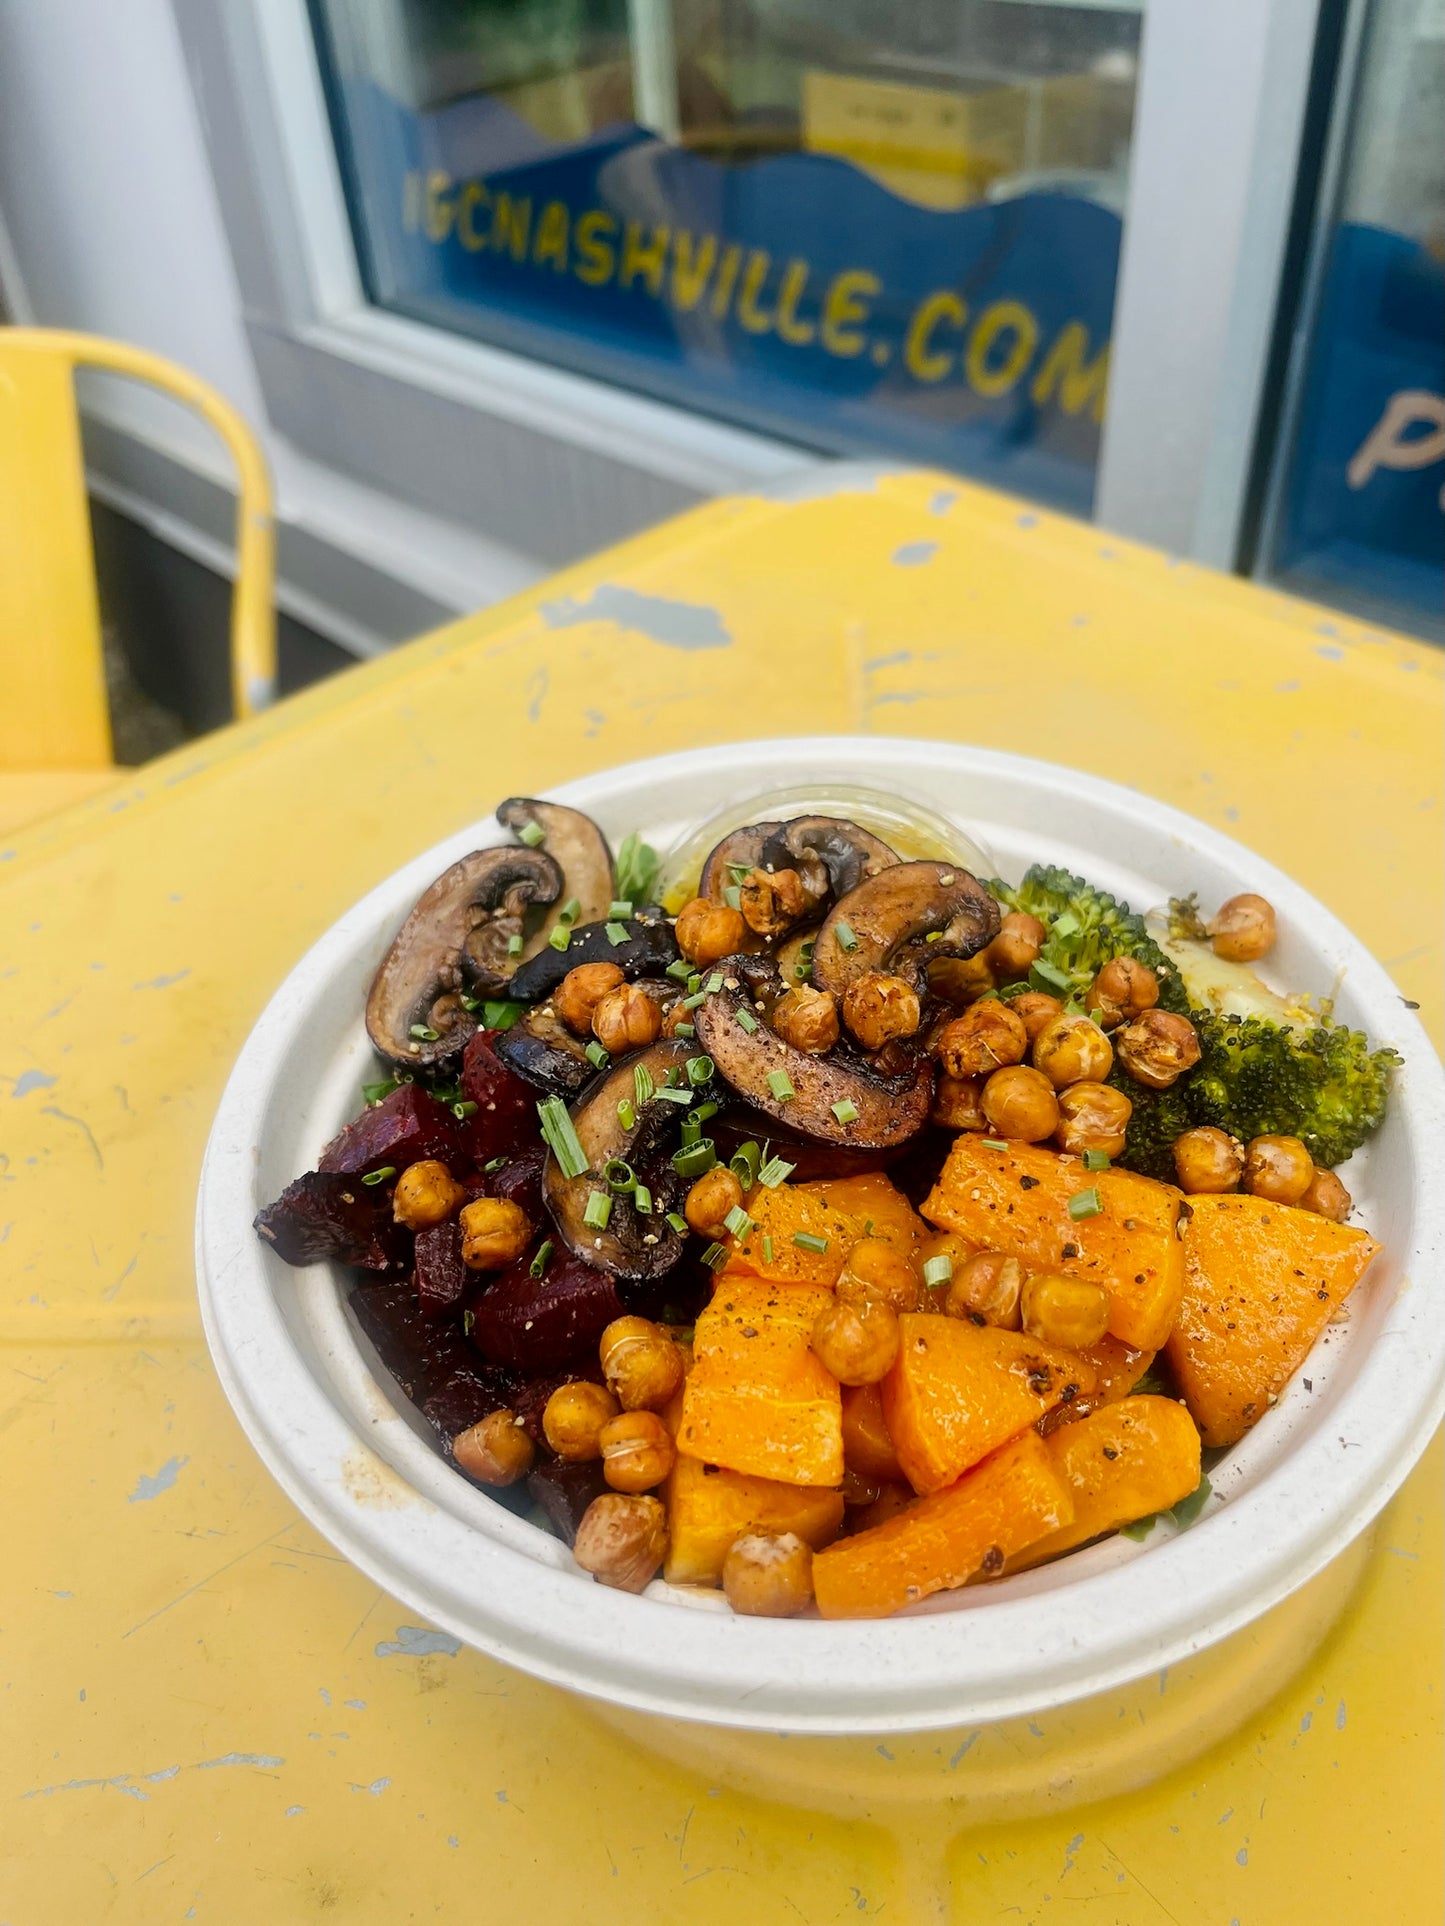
(806, 1241)
(561, 1137)
(598, 1211)
(781, 1085)
(379, 1176)
(637, 867)
(1085, 1203)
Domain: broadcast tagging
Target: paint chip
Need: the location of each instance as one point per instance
(148, 1487)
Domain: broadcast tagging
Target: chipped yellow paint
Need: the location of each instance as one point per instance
(208, 1714)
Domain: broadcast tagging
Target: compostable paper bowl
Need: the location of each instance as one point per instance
(1055, 1656)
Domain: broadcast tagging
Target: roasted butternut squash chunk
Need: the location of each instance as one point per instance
(959, 1390)
(867, 1447)
(757, 1399)
(1261, 1281)
(1117, 1369)
(839, 1210)
(1122, 1462)
(1017, 1200)
(1013, 1498)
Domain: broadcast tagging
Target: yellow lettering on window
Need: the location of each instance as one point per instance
(922, 360)
(845, 303)
(1081, 383)
(511, 225)
(551, 242)
(648, 261)
(690, 270)
(472, 196)
(438, 221)
(1002, 318)
(596, 255)
(755, 319)
(727, 274)
(790, 329)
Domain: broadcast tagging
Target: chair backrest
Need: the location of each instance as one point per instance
(53, 712)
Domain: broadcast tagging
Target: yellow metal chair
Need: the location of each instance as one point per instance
(55, 742)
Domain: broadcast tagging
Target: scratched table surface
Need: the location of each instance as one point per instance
(207, 1713)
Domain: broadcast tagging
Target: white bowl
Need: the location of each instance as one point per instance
(361, 1465)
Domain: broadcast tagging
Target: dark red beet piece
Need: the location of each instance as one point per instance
(464, 1394)
(565, 1491)
(430, 1360)
(520, 1181)
(442, 1279)
(506, 1113)
(325, 1215)
(541, 1324)
(404, 1127)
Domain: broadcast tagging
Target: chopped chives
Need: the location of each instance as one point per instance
(1085, 1203)
(694, 982)
(617, 1175)
(617, 935)
(626, 1115)
(514, 946)
(806, 1241)
(695, 1160)
(596, 1055)
(938, 1270)
(1096, 1160)
(670, 1095)
(748, 1021)
(570, 910)
(539, 1263)
(422, 1031)
(642, 1200)
(561, 1137)
(745, 1163)
(700, 1071)
(470, 1004)
(372, 1093)
(738, 1221)
(781, 1085)
(500, 1015)
(464, 1109)
(533, 835)
(681, 969)
(691, 1131)
(695, 1001)
(674, 1076)
(379, 1176)
(677, 1222)
(767, 1249)
(994, 1143)
(702, 1113)
(561, 937)
(843, 936)
(620, 907)
(599, 1209)
(845, 1110)
(733, 897)
(642, 1084)
(714, 983)
(739, 872)
(774, 1172)
(685, 1030)
(497, 1163)
(715, 1256)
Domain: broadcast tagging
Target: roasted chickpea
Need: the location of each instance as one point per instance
(637, 1451)
(1073, 1049)
(1157, 1048)
(1277, 1168)
(622, 1540)
(958, 1103)
(1021, 1103)
(495, 1450)
(987, 1037)
(768, 1575)
(961, 980)
(1092, 1116)
(878, 1007)
(426, 1194)
(1208, 1161)
(581, 990)
(643, 1366)
(1243, 929)
(772, 900)
(856, 1339)
(1015, 950)
(807, 1019)
(867, 1447)
(710, 1199)
(1068, 1311)
(1124, 989)
(494, 1233)
(1327, 1197)
(574, 1415)
(989, 1285)
(707, 931)
(947, 1244)
(625, 1019)
(875, 1271)
(1035, 1010)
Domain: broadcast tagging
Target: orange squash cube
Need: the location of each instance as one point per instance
(839, 1210)
(757, 1399)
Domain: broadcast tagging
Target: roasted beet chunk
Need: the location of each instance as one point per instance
(404, 1127)
(541, 1324)
(441, 1276)
(519, 1180)
(326, 1215)
(506, 1112)
(565, 1491)
(431, 1361)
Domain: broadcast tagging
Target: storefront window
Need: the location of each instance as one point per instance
(862, 229)
(1359, 513)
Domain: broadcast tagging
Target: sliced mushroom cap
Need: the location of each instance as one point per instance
(575, 844)
(633, 1243)
(455, 937)
(830, 854)
(741, 850)
(649, 949)
(878, 1111)
(541, 1048)
(900, 919)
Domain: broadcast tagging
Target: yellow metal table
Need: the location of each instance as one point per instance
(209, 1715)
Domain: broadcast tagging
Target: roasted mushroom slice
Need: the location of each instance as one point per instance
(731, 859)
(649, 949)
(575, 844)
(835, 1098)
(900, 919)
(830, 854)
(631, 1243)
(541, 1048)
(455, 938)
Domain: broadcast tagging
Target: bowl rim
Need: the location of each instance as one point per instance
(483, 1579)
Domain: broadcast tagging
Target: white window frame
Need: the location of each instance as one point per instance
(554, 463)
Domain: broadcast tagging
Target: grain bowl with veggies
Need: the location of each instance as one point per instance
(862, 1208)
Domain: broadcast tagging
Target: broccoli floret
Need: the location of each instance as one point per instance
(1087, 928)
(1323, 1084)
(1159, 1116)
